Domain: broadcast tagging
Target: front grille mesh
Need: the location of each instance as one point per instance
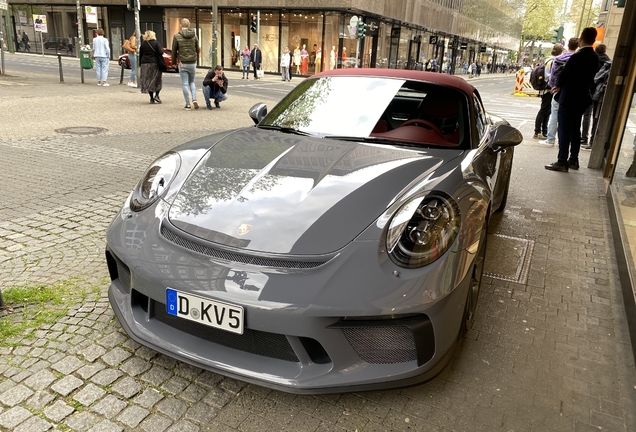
(257, 342)
(236, 257)
(382, 345)
(123, 272)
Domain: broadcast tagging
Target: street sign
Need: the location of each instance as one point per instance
(432, 40)
(3, 5)
(463, 45)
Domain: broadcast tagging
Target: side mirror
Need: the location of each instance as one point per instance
(504, 136)
(258, 112)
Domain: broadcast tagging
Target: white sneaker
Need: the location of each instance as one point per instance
(99, 84)
(105, 85)
(546, 143)
(133, 85)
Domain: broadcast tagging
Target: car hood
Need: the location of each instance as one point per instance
(272, 192)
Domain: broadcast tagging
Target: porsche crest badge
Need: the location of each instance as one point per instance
(244, 229)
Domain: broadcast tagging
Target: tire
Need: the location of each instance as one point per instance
(506, 175)
(475, 282)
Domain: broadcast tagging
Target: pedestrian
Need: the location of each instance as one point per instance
(284, 64)
(101, 52)
(18, 40)
(70, 45)
(25, 42)
(245, 62)
(574, 84)
(130, 45)
(557, 66)
(543, 116)
(291, 65)
(185, 50)
(150, 57)
(215, 87)
(256, 58)
(586, 143)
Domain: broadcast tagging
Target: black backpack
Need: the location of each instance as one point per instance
(558, 67)
(537, 77)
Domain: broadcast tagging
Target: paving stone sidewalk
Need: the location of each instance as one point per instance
(549, 352)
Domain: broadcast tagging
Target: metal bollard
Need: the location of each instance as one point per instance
(59, 60)
(121, 77)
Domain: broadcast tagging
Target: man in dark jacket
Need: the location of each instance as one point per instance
(592, 109)
(574, 85)
(256, 58)
(215, 87)
(185, 51)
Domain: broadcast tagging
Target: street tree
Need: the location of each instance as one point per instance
(540, 19)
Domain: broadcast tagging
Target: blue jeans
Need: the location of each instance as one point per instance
(552, 123)
(133, 69)
(208, 94)
(101, 67)
(187, 72)
(246, 70)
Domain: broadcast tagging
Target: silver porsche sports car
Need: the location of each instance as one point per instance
(337, 245)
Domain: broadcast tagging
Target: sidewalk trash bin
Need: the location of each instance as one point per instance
(85, 60)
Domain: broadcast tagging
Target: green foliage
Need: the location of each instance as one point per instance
(540, 19)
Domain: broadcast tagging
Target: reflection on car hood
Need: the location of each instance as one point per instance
(271, 192)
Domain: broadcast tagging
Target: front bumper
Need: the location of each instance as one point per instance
(345, 325)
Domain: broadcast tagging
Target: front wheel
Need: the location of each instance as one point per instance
(475, 281)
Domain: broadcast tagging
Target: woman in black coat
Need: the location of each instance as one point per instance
(150, 56)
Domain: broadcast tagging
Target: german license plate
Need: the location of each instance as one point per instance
(212, 313)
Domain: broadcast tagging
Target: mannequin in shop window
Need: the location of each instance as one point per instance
(332, 65)
(297, 58)
(344, 57)
(304, 60)
(318, 59)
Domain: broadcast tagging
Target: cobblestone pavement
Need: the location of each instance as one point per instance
(548, 351)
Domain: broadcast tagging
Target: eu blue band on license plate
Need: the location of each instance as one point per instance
(211, 313)
(171, 301)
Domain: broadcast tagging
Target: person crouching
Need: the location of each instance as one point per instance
(215, 87)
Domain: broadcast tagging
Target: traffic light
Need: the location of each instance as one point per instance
(254, 25)
(558, 35)
(361, 29)
(131, 5)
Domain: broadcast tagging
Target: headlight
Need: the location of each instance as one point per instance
(422, 230)
(155, 181)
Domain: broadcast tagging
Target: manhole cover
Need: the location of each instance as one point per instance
(81, 130)
(508, 258)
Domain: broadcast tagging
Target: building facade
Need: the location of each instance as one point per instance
(400, 34)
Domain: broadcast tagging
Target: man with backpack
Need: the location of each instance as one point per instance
(597, 98)
(539, 80)
(573, 85)
(558, 64)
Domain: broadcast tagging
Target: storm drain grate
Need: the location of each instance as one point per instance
(508, 258)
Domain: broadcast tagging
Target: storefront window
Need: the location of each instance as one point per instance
(403, 49)
(205, 35)
(384, 45)
(332, 42)
(300, 32)
(269, 41)
(235, 38)
(349, 42)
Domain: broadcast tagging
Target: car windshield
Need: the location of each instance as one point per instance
(374, 108)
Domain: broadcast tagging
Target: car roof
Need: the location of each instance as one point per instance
(414, 75)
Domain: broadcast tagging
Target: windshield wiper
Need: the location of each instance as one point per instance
(284, 129)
